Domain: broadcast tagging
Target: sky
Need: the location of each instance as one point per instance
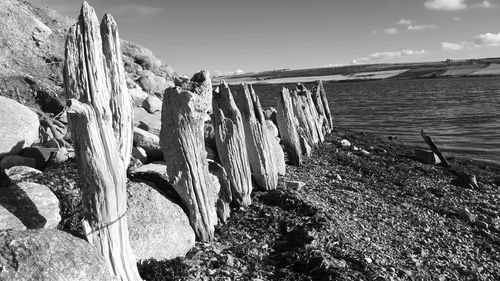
(228, 36)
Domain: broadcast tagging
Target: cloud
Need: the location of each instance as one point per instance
(228, 73)
(404, 22)
(421, 27)
(391, 31)
(387, 56)
(447, 46)
(485, 4)
(479, 41)
(445, 5)
(333, 65)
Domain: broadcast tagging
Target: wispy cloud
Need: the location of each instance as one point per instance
(421, 27)
(485, 4)
(391, 31)
(445, 5)
(479, 41)
(404, 22)
(228, 73)
(378, 56)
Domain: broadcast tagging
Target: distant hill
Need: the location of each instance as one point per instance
(32, 53)
(448, 68)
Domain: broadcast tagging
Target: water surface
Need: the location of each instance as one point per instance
(461, 114)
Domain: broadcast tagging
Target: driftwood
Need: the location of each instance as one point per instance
(316, 118)
(102, 135)
(434, 148)
(304, 118)
(231, 144)
(287, 127)
(258, 139)
(181, 138)
(320, 90)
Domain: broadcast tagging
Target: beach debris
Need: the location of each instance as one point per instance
(465, 215)
(434, 148)
(231, 144)
(295, 184)
(426, 156)
(345, 143)
(466, 180)
(320, 94)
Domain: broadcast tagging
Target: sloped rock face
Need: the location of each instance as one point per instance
(28, 205)
(49, 255)
(18, 126)
(159, 229)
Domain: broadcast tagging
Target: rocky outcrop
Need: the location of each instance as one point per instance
(28, 206)
(49, 255)
(159, 229)
(19, 126)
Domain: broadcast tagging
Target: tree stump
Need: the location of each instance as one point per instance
(287, 127)
(184, 112)
(100, 117)
(231, 144)
(328, 115)
(258, 139)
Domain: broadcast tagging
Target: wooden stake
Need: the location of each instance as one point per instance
(434, 148)
(287, 127)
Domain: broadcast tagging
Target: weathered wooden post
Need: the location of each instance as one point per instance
(231, 144)
(287, 126)
(315, 120)
(181, 139)
(304, 117)
(318, 103)
(100, 118)
(321, 91)
(258, 139)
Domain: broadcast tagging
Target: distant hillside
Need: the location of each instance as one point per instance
(32, 53)
(448, 68)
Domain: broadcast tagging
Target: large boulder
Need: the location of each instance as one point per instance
(49, 255)
(149, 142)
(18, 173)
(152, 104)
(146, 121)
(159, 229)
(28, 205)
(18, 126)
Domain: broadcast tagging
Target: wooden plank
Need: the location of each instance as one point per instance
(434, 148)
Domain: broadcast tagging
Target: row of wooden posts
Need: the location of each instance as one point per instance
(101, 125)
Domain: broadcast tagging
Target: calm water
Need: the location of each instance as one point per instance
(462, 115)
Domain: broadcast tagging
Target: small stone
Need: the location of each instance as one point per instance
(229, 260)
(61, 156)
(355, 148)
(465, 215)
(368, 260)
(365, 152)
(481, 224)
(345, 143)
(295, 184)
(140, 154)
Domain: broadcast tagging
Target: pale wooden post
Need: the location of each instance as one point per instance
(100, 118)
(321, 90)
(287, 127)
(258, 139)
(318, 103)
(315, 120)
(304, 117)
(184, 113)
(231, 144)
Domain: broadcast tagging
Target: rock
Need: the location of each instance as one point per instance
(15, 160)
(42, 32)
(33, 204)
(279, 156)
(426, 157)
(140, 55)
(345, 143)
(209, 135)
(466, 181)
(19, 126)
(137, 95)
(146, 121)
(18, 173)
(156, 168)
(152, 104)
(42, 155)
(211, 154)
(481, 224)
(220, 182)
(465, 215)
(272, 128)
(159, 229)
(149, 142)
(61, 156)
(45, 135)
(364, 152)
(145, 83)
(140, 154)
(49, 254)
(270, 114)
(295, 184)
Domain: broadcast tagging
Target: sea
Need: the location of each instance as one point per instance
(462, 115)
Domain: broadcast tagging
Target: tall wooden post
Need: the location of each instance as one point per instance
(231, 144)
(100, 118)
(258, 139)
(182, 140)
(287, 126)
(321, 91)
